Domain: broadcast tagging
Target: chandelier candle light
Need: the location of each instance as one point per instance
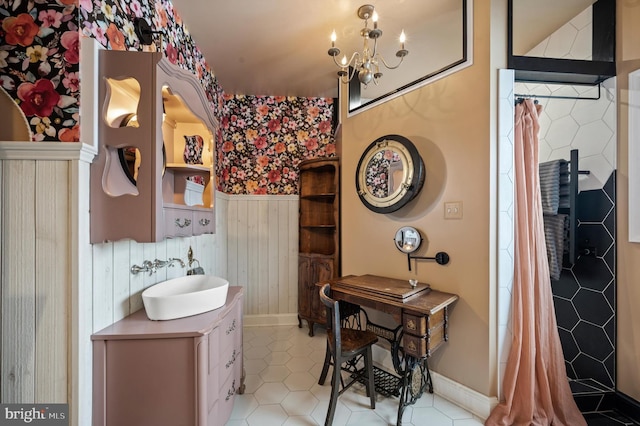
(367, 63)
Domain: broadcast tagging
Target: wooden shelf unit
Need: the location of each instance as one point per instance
(319, 235)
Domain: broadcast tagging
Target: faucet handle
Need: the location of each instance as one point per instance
(151, 266)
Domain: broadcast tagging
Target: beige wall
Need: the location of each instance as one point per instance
(628, 254)
(450, 122)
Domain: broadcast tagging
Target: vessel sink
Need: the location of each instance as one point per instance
(185, 296)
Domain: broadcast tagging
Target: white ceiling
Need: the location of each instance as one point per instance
(269, 47)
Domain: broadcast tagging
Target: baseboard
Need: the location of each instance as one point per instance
(627, 405)
(473, 401)
(270, 320)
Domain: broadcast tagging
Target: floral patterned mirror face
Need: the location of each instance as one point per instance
(390, 173)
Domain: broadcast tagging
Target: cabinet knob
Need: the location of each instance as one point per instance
(185, 223)
(205, 222)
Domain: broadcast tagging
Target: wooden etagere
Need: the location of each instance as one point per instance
(319, 235)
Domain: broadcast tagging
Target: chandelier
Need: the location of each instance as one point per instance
(365, 64)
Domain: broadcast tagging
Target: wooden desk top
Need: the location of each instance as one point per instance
(390, 295)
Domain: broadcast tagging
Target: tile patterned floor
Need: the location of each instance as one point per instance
(608, 418)
(283, 365)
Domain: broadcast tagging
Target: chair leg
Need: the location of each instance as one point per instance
(325, 367)
(335, 391)
(371, 386)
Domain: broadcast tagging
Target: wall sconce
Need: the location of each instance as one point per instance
(145, 33)
(408, 240)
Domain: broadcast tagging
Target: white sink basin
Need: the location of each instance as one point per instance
(185, 296)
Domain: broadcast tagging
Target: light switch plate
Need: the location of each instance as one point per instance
(453, 210)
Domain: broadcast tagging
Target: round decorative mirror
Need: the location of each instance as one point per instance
(408, 239)
(390, 173)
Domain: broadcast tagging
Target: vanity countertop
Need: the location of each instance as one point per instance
(138, 326)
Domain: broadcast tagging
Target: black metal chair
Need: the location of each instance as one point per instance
(345, 348)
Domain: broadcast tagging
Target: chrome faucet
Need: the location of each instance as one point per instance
(157, 264)
(151, 267)
(147, 266)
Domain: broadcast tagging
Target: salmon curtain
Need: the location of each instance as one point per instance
(535, 383)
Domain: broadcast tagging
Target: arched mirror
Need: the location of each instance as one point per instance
(390, 173)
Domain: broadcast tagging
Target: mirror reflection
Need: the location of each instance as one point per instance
(436, 35)
(130, 161)
(122, 100)
(408, 239)
(552, 29)
(384, 173)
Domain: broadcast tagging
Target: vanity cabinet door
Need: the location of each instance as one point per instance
(146, 382)
(167, 373)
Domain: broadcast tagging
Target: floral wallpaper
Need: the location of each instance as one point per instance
(111, 24)
(260, 142)
(39, 54)
(264, 138)
(39, 65)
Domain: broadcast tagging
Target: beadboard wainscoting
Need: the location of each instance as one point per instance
(44, 267)
(262, 255)
(35, 274)
(255, 246)
(117, 292)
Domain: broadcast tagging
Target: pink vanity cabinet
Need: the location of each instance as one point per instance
(179, 372)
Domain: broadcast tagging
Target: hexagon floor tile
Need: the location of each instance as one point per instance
(291, 396)
(283, 366)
